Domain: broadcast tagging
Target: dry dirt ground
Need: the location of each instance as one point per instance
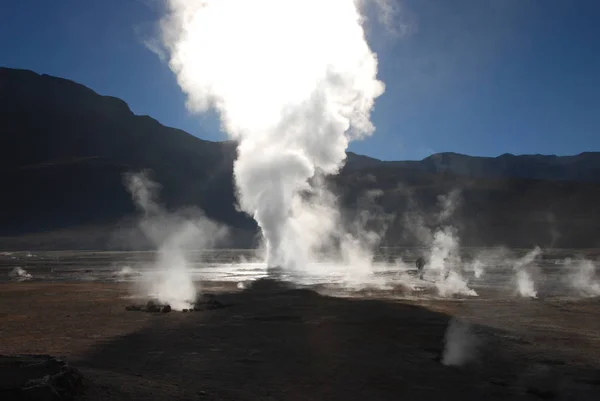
(274, 343)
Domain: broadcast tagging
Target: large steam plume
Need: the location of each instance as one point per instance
(293, 81)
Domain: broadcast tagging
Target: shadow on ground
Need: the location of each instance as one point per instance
(278, 343)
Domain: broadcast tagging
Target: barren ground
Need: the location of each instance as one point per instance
(279, 344)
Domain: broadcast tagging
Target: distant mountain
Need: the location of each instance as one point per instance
(582, 167)
(64, 149)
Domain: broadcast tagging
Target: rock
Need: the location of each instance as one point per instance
(184, 310)
(207, 302)
(268, 285)
(151, 306)
(37, 377)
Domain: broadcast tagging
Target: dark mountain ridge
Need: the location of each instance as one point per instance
(582, 167)
(64, 149)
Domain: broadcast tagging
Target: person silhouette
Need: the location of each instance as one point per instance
(420, 263)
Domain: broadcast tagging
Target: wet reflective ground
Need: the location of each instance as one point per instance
(393, 273)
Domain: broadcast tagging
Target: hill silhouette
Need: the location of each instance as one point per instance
(64, 150)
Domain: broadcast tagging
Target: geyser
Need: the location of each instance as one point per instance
(293, 82)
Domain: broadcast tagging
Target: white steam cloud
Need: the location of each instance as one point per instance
(293, 81)
(445, 264)
(173, 235)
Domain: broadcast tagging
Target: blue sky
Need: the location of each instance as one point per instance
(481, 77)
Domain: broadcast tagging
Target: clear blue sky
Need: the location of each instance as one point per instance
(481, 77)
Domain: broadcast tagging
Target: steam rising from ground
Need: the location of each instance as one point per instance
(126, 272)
(444, 264)
(461, 344)
(293, 81)
(19, 273)
(524, 271)
(173, 234)
(582, 277)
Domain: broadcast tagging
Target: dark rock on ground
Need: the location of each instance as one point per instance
(301, 292)
(207, 302)
(269, 285)
(38, 377)
(215, 305)
(152, 306)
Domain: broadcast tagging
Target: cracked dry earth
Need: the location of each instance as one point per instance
(274, 343)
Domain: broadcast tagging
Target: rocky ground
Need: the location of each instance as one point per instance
(276, 343)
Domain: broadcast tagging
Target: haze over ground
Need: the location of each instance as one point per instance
(474, 77)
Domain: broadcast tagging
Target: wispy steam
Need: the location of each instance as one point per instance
(448, 204)
(582, 277)
(477, 267)
(155, 47)
(392, 15)
(146, 33)
(293, 81)
(523, 277)
(20, 274)
(444, 264)
(126, 272)
(173, 235)
(461, 343)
